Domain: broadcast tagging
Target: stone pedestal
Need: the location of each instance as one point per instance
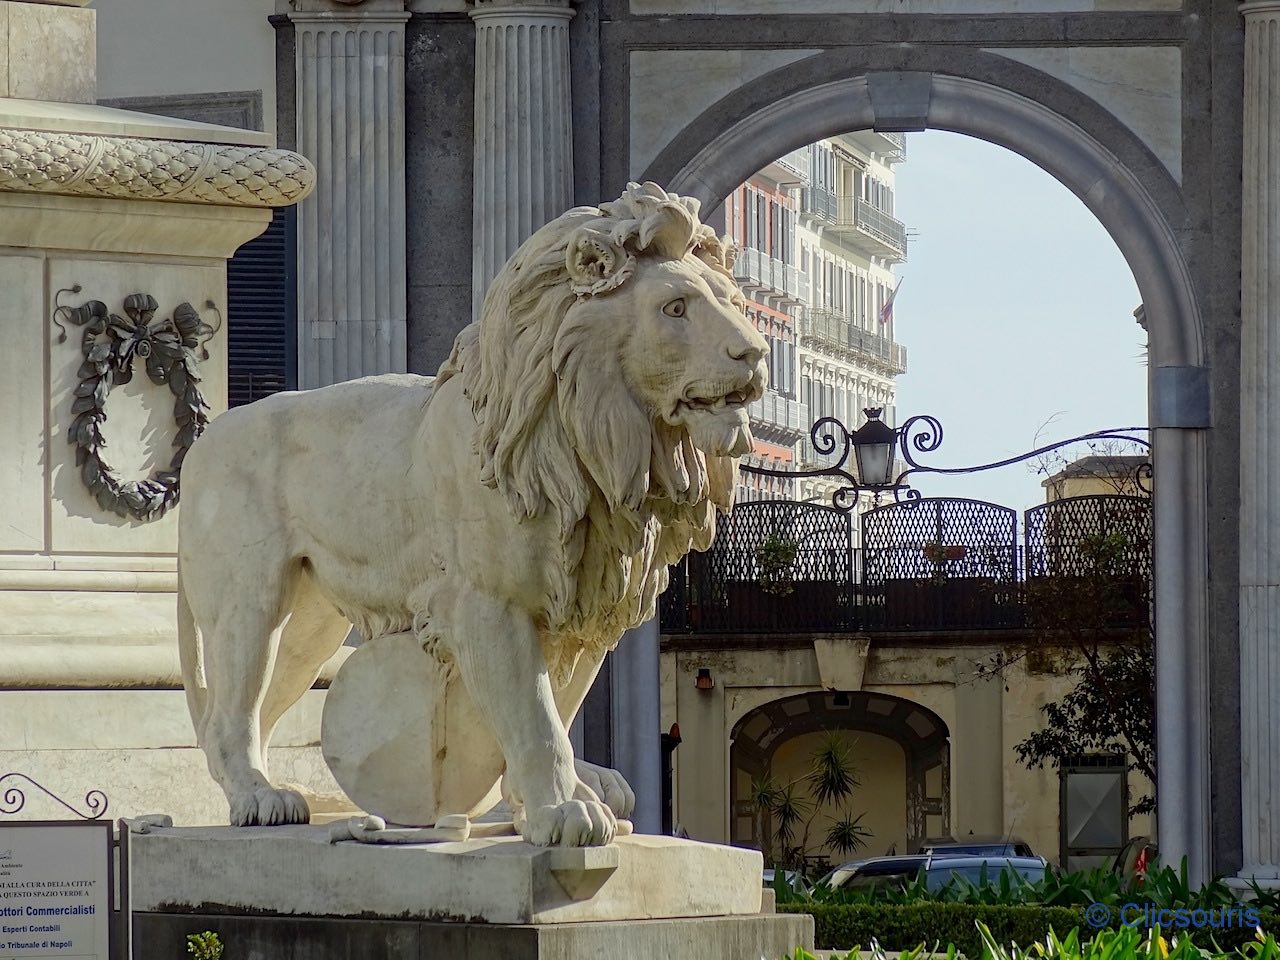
(640, 897)
(523, 128)
(47, 52)
(1259, 464)
(351, 232)
(105, 205)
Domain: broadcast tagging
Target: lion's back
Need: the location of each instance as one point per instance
(298, 433)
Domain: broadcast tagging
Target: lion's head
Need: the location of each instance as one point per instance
(626, 322)
(613, 361)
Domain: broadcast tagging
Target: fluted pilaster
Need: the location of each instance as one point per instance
(1260, 447)
(351, 233)
(523, 130)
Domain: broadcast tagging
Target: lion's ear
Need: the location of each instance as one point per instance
(596, 262)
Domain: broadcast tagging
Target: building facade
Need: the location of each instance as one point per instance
(818, 247)
(923, 658)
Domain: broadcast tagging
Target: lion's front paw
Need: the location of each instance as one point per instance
(609, 785)
(267, 807)
(575, 823)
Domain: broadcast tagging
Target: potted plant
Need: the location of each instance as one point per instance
(774, 559)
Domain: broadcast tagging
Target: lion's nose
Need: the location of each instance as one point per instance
(749, 347)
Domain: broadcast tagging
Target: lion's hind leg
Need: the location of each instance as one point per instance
(241, 640)
(312, 634)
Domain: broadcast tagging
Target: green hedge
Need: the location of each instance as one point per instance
(905, 926)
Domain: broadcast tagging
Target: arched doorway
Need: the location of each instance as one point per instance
(1139, 203)
(901, 749)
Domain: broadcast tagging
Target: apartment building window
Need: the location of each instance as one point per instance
(862, 301)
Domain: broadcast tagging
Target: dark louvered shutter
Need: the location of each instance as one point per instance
(262, 313)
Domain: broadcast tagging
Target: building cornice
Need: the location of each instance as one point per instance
(127, 168)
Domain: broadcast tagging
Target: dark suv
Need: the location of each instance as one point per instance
(978, 847)
(938, 870)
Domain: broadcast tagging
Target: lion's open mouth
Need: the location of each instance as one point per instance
(736, 400)
(717, 422)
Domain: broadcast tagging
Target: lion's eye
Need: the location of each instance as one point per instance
(675, 308)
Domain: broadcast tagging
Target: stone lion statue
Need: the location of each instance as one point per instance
(513, 516)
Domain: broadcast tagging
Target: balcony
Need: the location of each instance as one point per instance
(889, 147)
(934, 565)
(763, 276)
(790, 168)
(897, 142)
(833, 332)
(778, 419)
(856, 222)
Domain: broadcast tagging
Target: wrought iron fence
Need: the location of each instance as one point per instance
(925, 565)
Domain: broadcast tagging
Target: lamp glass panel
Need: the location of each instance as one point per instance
(875, 462)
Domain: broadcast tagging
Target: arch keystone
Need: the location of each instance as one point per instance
(900, 100)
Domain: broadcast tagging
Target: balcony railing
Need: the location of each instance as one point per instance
(757, 269)
(796, 162)
(779, 419)
(831, 590)
(883, 226)
(898, 145)
(936, 564)
(858, 221)
(833, 331)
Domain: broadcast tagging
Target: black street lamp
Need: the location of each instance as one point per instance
(874, 445)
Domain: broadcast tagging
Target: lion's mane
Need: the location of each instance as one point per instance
(559, 433)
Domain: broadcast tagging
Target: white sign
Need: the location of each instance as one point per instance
(55, 891)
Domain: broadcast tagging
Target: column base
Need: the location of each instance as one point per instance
(1243, 885)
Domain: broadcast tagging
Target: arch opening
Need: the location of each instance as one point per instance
(899, 750)
(1140, 206)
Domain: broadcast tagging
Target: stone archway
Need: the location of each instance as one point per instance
(1140, 205)
(921, 734)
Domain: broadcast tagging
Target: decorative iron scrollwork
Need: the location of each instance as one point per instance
(14, 799)
(170, 348)
(923, 434)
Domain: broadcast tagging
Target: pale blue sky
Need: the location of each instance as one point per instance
(1016, 307)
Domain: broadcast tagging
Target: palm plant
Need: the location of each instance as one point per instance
(787, 810)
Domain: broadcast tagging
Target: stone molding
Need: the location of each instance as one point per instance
(350, 19)
(126, 168)
(522, 6)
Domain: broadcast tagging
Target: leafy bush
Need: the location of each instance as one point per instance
(1161, 888)
(204, 946)
(906, 926)
(1127, 943)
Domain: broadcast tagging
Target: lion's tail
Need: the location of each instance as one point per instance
(191, 658)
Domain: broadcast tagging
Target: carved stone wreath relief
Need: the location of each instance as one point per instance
(169, 348)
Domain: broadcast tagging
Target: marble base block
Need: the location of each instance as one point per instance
(295, 938)
(296, 871)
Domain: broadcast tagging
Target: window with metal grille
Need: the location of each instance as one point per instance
(1093, 809)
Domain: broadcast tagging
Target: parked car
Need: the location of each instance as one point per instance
(943, 870)
(794, 879)
(938, 870)
(979, 847)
